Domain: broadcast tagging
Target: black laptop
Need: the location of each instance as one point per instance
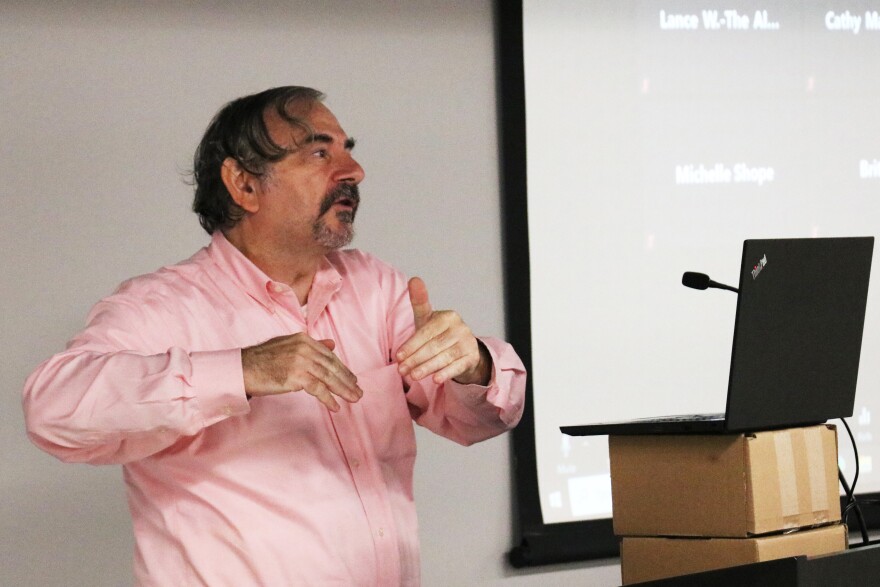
(797, 340)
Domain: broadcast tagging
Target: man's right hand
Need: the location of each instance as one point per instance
(298, 363)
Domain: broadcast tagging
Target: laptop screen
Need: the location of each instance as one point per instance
(799, 322)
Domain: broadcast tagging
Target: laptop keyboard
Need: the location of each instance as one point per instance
(684, 418)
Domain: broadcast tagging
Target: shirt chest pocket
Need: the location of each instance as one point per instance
(386, 413)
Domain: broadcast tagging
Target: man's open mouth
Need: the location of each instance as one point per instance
(345, 196)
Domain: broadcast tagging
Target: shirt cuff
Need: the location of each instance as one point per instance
(218, 383)
(474, 392)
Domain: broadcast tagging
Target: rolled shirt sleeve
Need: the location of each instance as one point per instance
(109, 398)
(468, 414)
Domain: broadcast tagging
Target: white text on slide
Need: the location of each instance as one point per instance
(763, 20)
(847, 22)
(718, 20)
(719, 173)
(869, 169)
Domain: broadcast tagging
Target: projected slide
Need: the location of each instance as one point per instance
(659, 137)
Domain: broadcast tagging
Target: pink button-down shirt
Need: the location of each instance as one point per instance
(277, 490)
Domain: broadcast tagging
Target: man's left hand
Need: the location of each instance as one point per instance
(442, 345)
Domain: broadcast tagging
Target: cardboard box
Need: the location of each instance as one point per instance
(648, 559)
(724, 485)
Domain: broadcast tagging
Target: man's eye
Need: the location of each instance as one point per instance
(320, 153)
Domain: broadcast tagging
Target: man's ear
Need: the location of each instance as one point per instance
(241, 185)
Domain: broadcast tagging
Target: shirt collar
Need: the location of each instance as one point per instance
(256, 283)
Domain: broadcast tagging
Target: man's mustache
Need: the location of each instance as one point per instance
(345, 191)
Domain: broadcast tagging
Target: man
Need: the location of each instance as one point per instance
(260, 395)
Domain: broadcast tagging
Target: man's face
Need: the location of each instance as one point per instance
(308, 200)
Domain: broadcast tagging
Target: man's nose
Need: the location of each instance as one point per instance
(350, 171)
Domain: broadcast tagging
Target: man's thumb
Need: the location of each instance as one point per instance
(418, 297)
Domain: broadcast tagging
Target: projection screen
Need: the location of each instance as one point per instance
(658, 137)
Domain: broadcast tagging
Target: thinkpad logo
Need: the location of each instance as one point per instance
(758, 267)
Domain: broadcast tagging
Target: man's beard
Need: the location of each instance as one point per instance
(339, 237)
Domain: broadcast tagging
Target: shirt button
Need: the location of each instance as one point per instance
(278, 287)
(227, 410)
(381, 532)
(355, 463)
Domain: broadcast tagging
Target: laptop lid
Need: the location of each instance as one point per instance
(796, 344)
(798, 336)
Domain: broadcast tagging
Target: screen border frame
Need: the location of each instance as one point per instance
(537, 543)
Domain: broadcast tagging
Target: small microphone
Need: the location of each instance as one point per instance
(702, 281)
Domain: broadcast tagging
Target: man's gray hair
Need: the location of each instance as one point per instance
(239, 131)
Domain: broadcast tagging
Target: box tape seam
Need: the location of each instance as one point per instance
(788, 491)
(818, 473)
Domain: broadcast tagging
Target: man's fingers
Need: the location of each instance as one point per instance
(298, 362)
(454, 369)
(341, 383)
(450, 346)
(421, 305)
(334, 373)
(434, 362)
(442, 344)
(432, 340)
(332, 367)
(438, 324)
(322, 393)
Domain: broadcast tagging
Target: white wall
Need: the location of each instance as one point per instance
(102, 106)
